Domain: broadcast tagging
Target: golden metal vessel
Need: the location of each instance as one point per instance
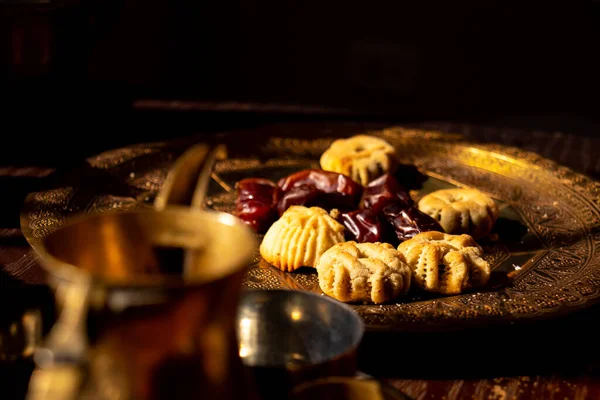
(148, 298)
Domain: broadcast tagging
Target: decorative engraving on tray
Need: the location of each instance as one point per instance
(105, 204)
(116, 157)
(150, 181)
(47, 212)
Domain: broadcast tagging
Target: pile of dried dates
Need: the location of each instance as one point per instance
(381, 212)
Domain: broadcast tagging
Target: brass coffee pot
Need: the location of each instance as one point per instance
(148, 298)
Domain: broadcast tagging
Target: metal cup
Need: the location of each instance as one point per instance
(149, 298)
(290, 337)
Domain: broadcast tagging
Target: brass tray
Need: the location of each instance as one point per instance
(545, 249)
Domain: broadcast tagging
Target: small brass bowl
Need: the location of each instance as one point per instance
(289, 337)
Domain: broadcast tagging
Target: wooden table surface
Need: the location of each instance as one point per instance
(552, 359)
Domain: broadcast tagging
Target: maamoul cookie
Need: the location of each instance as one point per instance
(361, 157)
(299, 237)
(363, 272)
(461, 211)
(446, 264)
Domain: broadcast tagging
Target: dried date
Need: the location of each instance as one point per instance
(363, 226)
(313, 187)
(299, 196)
(409, 221)
(383, 191)
(256, 203)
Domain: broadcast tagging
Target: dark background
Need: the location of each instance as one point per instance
(78, 77)
(74, 74)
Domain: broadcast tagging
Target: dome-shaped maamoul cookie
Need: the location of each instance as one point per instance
(361, 157)
(363, 272)
(459, 211)
(446, 264)
(299, 237)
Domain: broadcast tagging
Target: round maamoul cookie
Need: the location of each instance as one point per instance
(446, 264)
(363, 272)
(461, 211)
(361, 157)
(299, 237)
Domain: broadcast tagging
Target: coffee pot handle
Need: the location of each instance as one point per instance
(186, 185)
(60, 362)
(187, 181)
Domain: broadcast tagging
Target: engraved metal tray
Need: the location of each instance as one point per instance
(545, 247)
